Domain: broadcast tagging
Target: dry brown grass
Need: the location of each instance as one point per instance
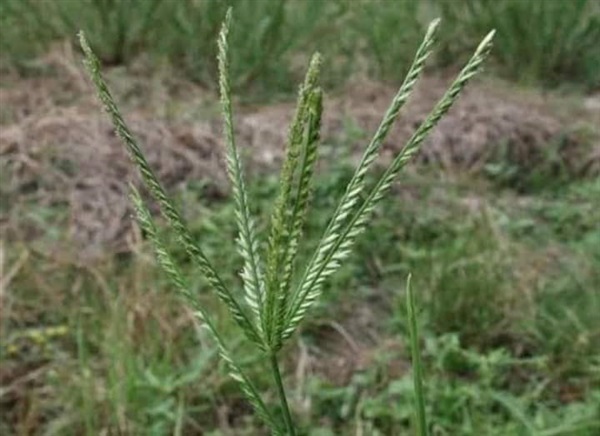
(57, 149)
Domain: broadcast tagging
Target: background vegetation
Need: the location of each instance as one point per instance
(539, 42)
(505, 261)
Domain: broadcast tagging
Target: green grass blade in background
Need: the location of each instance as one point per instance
(416, 359)
(539, 42)
(549, 43)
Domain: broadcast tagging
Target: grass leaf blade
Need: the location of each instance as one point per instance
(416, 360)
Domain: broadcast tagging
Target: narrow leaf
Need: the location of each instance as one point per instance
(416, 360)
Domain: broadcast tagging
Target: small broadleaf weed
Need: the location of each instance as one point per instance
(274, 306)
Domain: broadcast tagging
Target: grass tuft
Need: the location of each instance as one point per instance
(275, 315)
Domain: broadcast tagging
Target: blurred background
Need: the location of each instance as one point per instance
(497, 217)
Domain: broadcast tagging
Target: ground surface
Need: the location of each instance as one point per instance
(497, 219)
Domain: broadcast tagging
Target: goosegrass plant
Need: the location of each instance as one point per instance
(277, 298)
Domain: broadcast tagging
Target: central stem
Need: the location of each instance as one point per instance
(287, 417)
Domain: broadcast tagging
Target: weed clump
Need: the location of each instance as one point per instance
(275, 304)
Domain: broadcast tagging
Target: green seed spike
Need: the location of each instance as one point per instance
(416, 359)
(356, 184)
(167, 208)
(287, 211)
(248, 244)
(275, 310)
(299, 208)
(335, 246)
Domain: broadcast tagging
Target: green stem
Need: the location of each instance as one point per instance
(287, 417)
